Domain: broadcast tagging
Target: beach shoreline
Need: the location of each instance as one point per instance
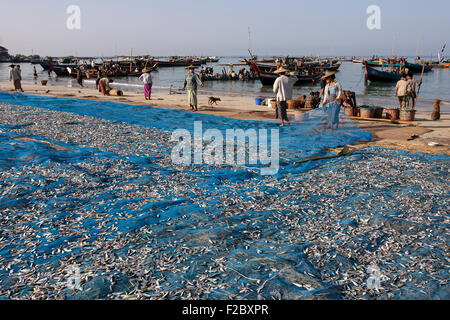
(393, 136)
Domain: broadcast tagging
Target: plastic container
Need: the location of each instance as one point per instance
(392, 113)
(259, 101)
(407, 114)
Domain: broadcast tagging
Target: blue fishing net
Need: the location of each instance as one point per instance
(208, 231)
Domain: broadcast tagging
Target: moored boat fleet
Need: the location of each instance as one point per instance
(119, 67)
(308, 70)
(391, 69)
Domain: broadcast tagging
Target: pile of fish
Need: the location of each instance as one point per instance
(101, 212)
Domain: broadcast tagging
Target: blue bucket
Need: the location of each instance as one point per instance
(259, 101)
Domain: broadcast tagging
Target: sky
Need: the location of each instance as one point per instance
(217, 27)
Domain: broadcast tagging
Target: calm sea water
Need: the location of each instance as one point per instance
(436, 84)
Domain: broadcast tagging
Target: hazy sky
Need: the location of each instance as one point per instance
(216, 27)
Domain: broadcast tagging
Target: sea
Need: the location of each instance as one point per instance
(436, 84)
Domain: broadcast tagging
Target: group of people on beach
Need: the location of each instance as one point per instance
(405, 90)
(331, 94)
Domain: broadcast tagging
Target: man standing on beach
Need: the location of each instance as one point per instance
(15, 77)
(80, 77)
(20, 77)
(401, 92)
(191, 82)
(283, 87)
(411, 90)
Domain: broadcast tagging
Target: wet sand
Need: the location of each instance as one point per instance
(394, 136)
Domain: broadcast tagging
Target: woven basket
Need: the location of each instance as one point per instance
(350, 111)
(393, 114)
(407, 115)
(291, 104)
(378, 113)
(273, 103)
(366, 112)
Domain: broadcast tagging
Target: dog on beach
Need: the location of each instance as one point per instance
(436, 114)
(213, 100)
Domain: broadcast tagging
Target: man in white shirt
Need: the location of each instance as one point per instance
(283, 87)
(401, 92)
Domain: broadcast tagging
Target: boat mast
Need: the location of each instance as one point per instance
(393, 42)
(131, 57)
(249, 40)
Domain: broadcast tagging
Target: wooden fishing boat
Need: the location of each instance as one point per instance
(442, 66)
(178, 62)
(416, 67)
(268, 78)
(226, 78)
(212, 59)
(373, 74)
(334, 67)
(60, 70)
(383, 64)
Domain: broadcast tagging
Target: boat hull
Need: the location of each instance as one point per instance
(373, 74)
(417, 68)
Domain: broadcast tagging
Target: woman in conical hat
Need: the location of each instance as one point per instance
(328, 74)
(280, 70)
(191, 82)
(333, 89)
(146, 78)
(332, 97)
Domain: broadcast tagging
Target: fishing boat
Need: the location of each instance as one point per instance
(383, 64)
(268, 77)
(35, 60)
(59, 67)
(417, 68)
(442, 65)
(212, 59)
(177, 62)
(373, 74)
(225, 78)
(87, 73)
(334, 67)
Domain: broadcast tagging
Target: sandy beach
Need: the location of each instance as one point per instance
(403, 137)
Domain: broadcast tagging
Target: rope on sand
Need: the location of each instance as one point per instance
(242, 275)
